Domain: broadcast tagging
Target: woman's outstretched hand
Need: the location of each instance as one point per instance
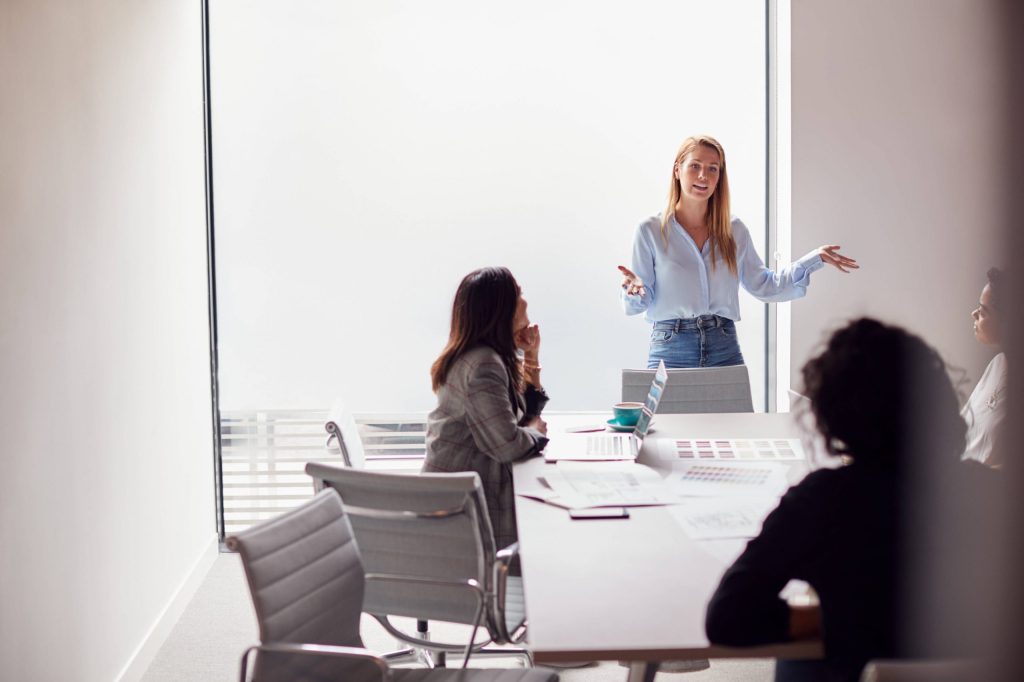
(830, 254)
(633, 284)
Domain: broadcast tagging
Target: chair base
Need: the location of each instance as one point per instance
(508, 652)
(439, 659)
(455, 660)
(411, 656)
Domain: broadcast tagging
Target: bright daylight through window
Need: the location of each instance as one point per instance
(367, 155)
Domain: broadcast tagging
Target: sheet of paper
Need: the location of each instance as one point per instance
(537, 488)
(580, 487)
(720, 479)
(726, 551)
(713, 518)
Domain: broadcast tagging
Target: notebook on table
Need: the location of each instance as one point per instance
(610, 446)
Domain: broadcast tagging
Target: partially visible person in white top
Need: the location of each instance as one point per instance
(986, 408)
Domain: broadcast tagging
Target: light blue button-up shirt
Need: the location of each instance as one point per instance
(680, 283)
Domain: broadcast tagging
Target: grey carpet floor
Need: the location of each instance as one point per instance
(219, 624)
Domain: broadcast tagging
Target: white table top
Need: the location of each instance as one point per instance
(629, 589)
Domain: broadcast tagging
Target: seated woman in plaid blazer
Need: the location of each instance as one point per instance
(489, 395)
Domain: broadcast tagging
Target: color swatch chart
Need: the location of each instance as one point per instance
(745, 476)
(777, 449)
(719, 480)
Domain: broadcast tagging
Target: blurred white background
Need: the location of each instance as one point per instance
(367, 155)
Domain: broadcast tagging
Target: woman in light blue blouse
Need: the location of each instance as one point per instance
(688, 264)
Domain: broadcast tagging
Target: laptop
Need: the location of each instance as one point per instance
(610, 446)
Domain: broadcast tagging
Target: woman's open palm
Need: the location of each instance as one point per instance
(630, 282)
(830, 254)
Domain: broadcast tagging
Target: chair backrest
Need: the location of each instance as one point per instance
(305, 579)
(431, 528)
(691, 391)
(341, 427)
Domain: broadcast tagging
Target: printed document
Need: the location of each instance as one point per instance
(610, 484)
(711, 518)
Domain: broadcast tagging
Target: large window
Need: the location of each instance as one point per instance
(369, 154)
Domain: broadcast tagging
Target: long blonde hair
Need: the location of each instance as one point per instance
(719, 219)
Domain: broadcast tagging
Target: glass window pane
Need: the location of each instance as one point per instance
(369, 154)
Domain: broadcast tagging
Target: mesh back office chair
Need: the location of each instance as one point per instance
(343, 431)
(307, 586)
(691, 391)
(422, 537)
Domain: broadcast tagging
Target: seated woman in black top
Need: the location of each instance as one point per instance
(881, 397)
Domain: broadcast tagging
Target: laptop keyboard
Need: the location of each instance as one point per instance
(603, 445)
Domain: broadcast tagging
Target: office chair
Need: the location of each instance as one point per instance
(341, 427)
(689, 391)
(307, 586)
(422, 537)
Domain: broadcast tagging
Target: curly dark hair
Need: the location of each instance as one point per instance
(997, 287)
(881, 395)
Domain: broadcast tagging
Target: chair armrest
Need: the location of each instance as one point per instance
(471, 585)
(506, 555)
(328, 650)
(502, 560)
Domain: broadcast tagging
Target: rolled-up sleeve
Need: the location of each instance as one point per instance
(643, 267)
(491, 419)
(769, 285)
(535, 398)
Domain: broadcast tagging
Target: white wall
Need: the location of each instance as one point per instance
(106, 497)
(897, 143)
(368, 155)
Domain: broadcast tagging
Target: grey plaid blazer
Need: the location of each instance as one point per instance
(475, 427)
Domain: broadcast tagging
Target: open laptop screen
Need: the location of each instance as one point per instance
(651, 403)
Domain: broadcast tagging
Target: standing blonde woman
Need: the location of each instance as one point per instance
(689, 261)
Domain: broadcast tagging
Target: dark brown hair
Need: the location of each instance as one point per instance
(882, 395)
(482, 315)
(996, 287)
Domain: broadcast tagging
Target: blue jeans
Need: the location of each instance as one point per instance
(705, 341)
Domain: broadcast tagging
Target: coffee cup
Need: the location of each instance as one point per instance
(628, 414)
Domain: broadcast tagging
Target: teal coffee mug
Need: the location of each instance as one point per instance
(628, 414)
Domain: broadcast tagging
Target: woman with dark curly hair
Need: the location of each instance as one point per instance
(881, 397)
(986, 408)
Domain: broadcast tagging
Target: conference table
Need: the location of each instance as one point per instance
(634, 589)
